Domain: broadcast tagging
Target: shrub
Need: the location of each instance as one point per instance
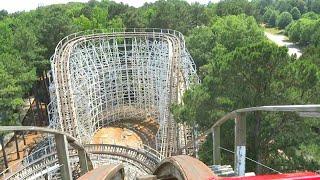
(284, 19)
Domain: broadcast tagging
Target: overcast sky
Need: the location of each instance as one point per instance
(26, 5)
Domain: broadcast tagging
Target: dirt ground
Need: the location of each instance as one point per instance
(31, 140)
(118, 136)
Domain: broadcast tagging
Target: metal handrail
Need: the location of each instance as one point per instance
(73, 141)
(311, 108)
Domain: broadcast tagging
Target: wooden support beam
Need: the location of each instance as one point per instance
(240, 144)
(4, 155)
(17, 145)
(24, 138)
(147, 177)
(83, 161)
(196, 142)
(216, 145)
(63, 157)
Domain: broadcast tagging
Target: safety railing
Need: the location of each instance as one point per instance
(240, 130)
(61, 142)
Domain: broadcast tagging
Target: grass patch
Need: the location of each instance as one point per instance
(274, 30)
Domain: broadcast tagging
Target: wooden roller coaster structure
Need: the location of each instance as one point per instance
(126, 78)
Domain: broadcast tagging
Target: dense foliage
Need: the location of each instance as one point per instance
(237, 65)
(306, 30)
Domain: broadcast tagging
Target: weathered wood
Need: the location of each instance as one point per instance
(4, 152)
(216, 145)
(63, 158)
(83, 161)
(240, 144)
(17, 145)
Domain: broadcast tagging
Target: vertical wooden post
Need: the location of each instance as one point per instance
(17, 145)
(63, 158)
(240, 145)
(196, 143)
(24, 138)
(216, 145)
(4, 152)
(32, 112)
(83, 161)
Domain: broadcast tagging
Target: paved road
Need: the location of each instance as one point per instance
(281, 40)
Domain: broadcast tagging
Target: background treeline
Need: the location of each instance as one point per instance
(237, 65)
(299, 18)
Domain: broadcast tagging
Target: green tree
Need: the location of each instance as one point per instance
(273, 19)
(293, 31)
(114, 9)
(16, 78)
(235, 31)
(315, 36)
(263, 5)
(116, 23)
(198, 15)
(315, 6)
(283, 6)
(83, 23)
(242, 70)
(295, 13)
(301, 5)
(54, 25)
(311, 15)
(6, 35)
(302, 30)
(270, 17)
(3, 14)
(284, 20)
(267, 15)
(171, 14)
(92, 18)
(200, 39)
(235, 7)
(29, 49)
(134, 18)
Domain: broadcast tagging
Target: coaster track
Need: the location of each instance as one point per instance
(106, 77)
(121, 78)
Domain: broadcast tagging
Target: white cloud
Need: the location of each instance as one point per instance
(26, 5)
